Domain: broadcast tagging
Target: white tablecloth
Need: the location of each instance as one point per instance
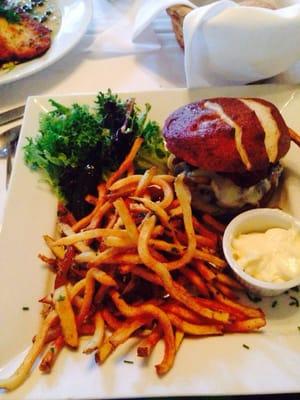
(90, 67)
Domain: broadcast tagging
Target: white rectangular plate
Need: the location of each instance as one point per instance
(214, 366)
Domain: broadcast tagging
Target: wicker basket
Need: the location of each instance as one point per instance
(178, 13)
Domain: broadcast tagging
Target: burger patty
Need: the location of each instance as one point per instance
(219, 195)
(24, 40)
(230, 135)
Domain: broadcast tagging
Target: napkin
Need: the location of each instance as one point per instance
(113, 28)
(227, 43)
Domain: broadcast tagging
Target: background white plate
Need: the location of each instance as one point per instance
(75, 17)
(215, 365)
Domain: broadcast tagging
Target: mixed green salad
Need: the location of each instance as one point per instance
(78, 146)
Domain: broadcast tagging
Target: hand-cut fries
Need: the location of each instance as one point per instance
(23, 371)
(163, 320)
(66, 315)
(192, 329)
(96, 340)
(140, 264)
(147, 345)
(127, 219)
(51, 355)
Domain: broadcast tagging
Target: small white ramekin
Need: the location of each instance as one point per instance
(257, 220)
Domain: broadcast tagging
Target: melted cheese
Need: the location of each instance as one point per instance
(230, 195)
(238, 131)
(269, 125)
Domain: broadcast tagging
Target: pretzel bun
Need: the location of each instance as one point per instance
(229, 135)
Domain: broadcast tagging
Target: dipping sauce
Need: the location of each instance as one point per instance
(271, 256)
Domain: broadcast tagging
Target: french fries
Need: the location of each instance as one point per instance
(96, 340)
(127, 163)
(163, 320)
(140, 264)
(192, 329)
(127, 219)
(66, 315)
(51, 355)
(23, 371)
(147, 345)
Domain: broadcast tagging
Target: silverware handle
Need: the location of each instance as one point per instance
(8, 166)
(11, 115)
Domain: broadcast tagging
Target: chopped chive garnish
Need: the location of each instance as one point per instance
(25, 308)
(253, 297)
(128, 362)
(246, 346)
(274, 303)
(60, 298)
(294, 302)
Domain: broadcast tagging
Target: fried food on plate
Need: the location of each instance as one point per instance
(23, 40)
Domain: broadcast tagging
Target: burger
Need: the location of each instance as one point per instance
(229, 149)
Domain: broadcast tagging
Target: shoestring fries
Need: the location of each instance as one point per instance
(139, 265)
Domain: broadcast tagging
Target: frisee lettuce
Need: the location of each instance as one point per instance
(66, 138)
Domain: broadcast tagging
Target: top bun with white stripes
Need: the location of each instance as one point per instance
(230, 135)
